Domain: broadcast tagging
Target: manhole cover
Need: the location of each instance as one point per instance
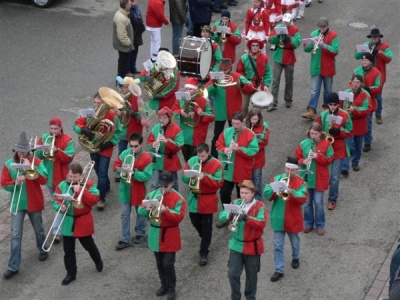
(358, 25)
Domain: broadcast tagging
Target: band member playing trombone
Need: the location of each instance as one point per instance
(203, 199)
(246, 244)
(339, 133)
(255, 66)
(78, 222)
(133, 188)
(323, 66)
(164, 234)
(165, 141)
(315, 155)
(227, 95)
(195, 116)
(237, 146)
(287, 214)
(26, 197)
(56, 159)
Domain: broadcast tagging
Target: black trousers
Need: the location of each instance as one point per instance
(123, 63)
(203, 224)
(166, 270)
(87, 243)
(218, 129)
(188, 151)
(225, 192)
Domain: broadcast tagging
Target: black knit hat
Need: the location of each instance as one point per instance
(22, 145)
(333, 98)
(368, 56)
(292, 160)
(165, 179)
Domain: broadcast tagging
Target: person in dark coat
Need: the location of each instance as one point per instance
(138, 28)
(200, 14)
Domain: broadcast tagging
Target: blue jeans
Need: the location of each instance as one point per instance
(122, 145)
(314, 212)
(140, 227)
(379, 109)
(368, 136)
(132, 59)
(177, 30)
(316, 82)
(257, 181)
(279, 243)
(17, 227)
(355, 143)
(252, 265)
(156, 174)
(334, 181)
(101, 168)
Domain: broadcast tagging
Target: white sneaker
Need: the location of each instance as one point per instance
(299, 17)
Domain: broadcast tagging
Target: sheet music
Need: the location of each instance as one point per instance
(183, 95)
(346, 96)
(150, 203)
(217, 75)
(281, 30)
(308, 41)
(65, 196)
(147, 65)
(125, 169)
(224, 29)
(232, 208)
(87, 113)
(16, 166)
(278, 186)
(335, 119)
(192, 173)
(362, 48)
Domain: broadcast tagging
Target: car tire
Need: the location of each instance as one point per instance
(42, 3)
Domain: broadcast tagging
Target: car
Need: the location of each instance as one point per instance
(42, 3)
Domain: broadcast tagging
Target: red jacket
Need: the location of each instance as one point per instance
(381, 60)
(259, 158)
(135, 124)
(257, 20)
(155, 14)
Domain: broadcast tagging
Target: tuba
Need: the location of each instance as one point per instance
(194, 184)
(193, 118)
(125, 117)
(103, 129)
(162, 74)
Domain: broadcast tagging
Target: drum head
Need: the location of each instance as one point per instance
(261, 99)
(205, 59)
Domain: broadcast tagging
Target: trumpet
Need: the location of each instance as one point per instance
(223, 37)
(49, 152)
(316, 45)
(228, 161)
(308, 165)
(19, 171)
(233, 226)
(127, 175)
(194, 184)
(330, 138)
(284, 194)
(31, 173)
(372, 48)
(155, 213)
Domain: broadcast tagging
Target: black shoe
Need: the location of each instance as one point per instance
(139, 239)
(355, 167)
(221, 225)
(295, 263)
(232, 3)
(344, 173)
(117, 179)
(161, 291)
(101, 204)
(271, 107)
(122, 245)
(171, 296)
(203, 260)
(223, 7)
(367, 148)
(9, 274)
(43, 256)
(99, 266)
(68, 279)
(217, 11)
(276, 276)
(288, 104)
(319, 1)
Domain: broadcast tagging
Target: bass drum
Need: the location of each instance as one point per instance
(261, 99)
(195, 57)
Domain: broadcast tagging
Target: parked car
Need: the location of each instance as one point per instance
(42, 3)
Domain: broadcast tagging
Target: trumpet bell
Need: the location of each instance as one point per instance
(232, 227)
(77, 204)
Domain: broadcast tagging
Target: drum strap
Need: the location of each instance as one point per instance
(258, 81)
(252, 17)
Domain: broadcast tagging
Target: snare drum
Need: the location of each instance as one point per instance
(261, 99)
(195, 57)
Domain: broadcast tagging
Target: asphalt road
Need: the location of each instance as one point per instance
(52, 61)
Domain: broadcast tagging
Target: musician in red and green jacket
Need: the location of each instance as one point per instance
(287, 215)
(134, 189)
(194, 120)
(246, 244)
(78, 222)
(315, 155)
(165, 141)
(164, 236)
(203, 203)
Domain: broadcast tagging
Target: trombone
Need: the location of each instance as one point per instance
(194, 183)
(127, 175)
(49, 152)
(155, 212)
(31, 173)
(233, 226)
(284, 194)
(316, 45)
(14, 192)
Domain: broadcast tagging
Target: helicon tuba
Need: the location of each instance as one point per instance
(103, 129)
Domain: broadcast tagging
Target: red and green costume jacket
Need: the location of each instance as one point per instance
(135, 123)
(169, 160)
(81, 123)
(228, 100)
(205, 202)
(234, 39)
(262, 135)
(168, 94)
(195, 135)
(166, 236)
(143, 170)
(216, 57)
(323, 62)
(361, 102)
(248, 238)
(262, 65)
(242, 160)
(320, 166)
(285, 55)
(57, 170)
(340, 147)
(373, 80)
(77, 222)
(383, 57)
(32, 199)
(287, 215)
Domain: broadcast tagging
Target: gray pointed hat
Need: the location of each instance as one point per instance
(22, 145)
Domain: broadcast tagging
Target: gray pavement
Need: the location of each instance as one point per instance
(53, 60)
